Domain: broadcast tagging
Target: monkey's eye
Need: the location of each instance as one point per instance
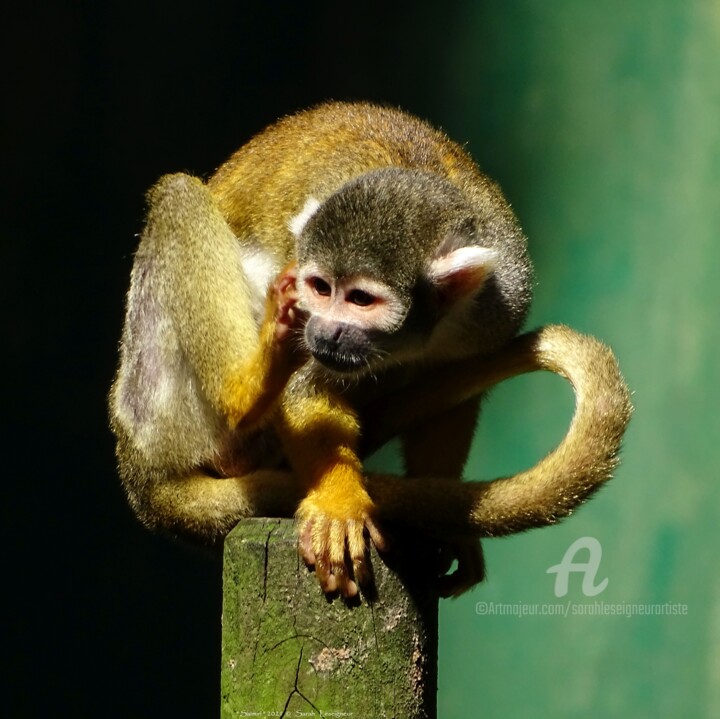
(320, 287)
(360, 298)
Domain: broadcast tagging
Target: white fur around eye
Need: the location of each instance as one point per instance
(388, 311)
(297, 223)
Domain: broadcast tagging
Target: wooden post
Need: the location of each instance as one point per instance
(287, 651)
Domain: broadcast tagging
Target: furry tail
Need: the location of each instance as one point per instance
(549, 491)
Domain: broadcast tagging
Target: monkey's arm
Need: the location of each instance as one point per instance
(319, 433)
(542, 495)
(452, 430)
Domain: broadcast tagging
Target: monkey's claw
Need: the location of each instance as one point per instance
(338, 551)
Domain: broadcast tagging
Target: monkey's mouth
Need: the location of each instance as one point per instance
(337, 346)
(341, 362)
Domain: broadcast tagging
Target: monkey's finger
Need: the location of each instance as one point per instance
(323, 566)
(355, 536)
(328, 581)
(305, 544)
(381, 542)
(336, 554)
(346, 584)
(362, 571)
(357, 552)
(336, 543)
(290, 270)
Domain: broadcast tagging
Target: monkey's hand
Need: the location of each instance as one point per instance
(334, 526)
(283, 298)
(319, 434)
(283, 323)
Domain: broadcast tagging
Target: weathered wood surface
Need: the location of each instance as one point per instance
(288, 651)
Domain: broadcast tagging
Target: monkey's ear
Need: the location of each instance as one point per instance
(298, 222)
(461, 272)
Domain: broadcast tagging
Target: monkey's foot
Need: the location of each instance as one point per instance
(337, 548)
(470, 566)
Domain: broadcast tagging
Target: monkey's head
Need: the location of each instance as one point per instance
(382, 262)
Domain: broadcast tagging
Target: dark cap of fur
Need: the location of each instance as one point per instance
(386, 224)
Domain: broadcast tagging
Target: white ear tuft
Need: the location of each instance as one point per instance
(463, 271)
(297, 223)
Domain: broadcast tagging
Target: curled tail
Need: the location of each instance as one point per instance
(583, 461)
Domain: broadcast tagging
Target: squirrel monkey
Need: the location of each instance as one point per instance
(347, 276)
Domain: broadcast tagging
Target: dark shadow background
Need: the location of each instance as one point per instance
(100, 98)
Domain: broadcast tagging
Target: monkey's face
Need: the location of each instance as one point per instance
(381, 262)
(355, 323)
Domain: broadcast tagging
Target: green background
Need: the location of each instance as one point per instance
(602, 123)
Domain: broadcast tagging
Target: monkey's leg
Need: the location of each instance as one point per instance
(319, 436)
(190, 312)
(206, 508)
(438, 447)
(196, 373)
(193, 361)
